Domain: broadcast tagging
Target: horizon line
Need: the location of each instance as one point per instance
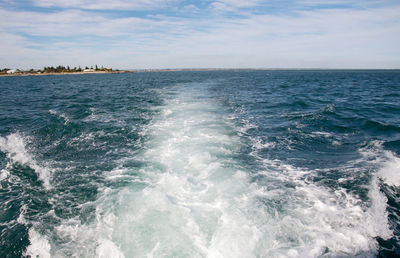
(246, 68)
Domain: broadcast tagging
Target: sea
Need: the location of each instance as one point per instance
(233, 163)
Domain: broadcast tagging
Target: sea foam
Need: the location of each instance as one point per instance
(15, 147)
(390, 170)
(39, 247)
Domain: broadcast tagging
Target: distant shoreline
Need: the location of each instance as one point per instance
(256, 69)
(62, 73)
(188, 70)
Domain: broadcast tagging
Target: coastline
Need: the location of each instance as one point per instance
(62, 73)
(188, 70)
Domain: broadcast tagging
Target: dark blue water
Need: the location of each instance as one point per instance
(201, 164)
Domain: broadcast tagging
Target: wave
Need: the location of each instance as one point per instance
(15, 147)
(386, 162)
(301, 217)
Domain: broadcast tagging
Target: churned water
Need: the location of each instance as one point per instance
(201, 164)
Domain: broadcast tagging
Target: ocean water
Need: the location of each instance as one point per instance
(201, 164)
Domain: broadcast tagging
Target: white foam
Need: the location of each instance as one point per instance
(378, 216)
(15, 147)
(4, 174)
(324, 134)
(387, 162)
(77, 239)
(313, 220)
(390, 171)
(259, 144)
(107, 248)
(39, 247)
(62, 115)
(96, 116)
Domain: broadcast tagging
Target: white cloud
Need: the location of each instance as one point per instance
(233, 5)
(331, 38)
(104, 4)
(71, 23)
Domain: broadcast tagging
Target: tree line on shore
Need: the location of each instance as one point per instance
(57, 69)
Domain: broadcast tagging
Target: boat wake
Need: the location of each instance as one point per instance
(199, 191)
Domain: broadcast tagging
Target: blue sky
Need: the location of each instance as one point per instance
(136, 34)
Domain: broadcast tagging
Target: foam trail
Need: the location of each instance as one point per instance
(197, 197)
(196, 203)
(15, 147)
(203, 202)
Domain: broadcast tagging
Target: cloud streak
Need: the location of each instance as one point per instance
(105, 4)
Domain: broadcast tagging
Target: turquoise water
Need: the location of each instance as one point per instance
(201, 164)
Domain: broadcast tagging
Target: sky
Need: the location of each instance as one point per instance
(156, 34)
